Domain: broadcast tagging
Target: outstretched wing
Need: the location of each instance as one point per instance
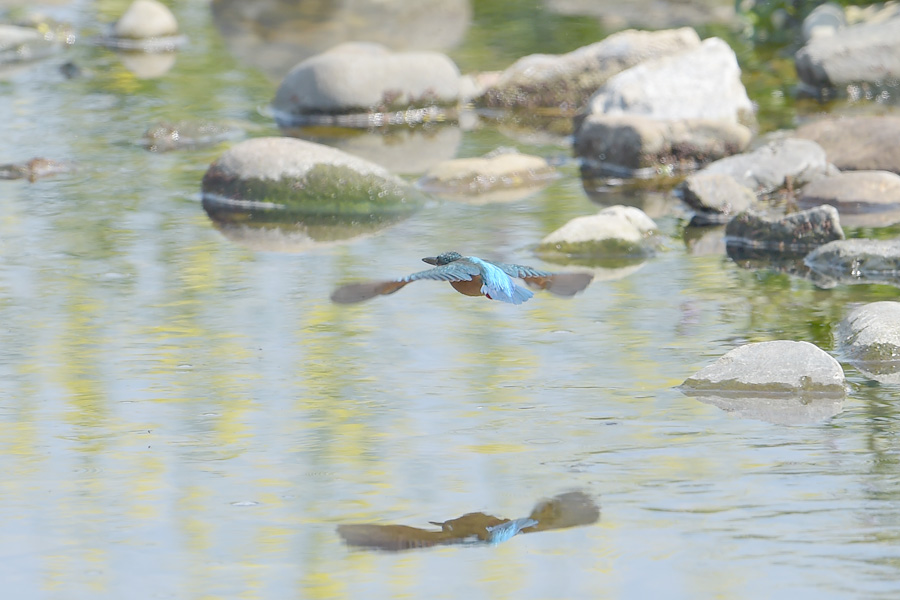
(561, 284)
(366, 290)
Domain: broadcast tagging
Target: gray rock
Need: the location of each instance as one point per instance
(504, 171)
(870, 338)
(146, 19)
(307, 182)
(716, 197)
(796, 233)
(704, 83)
(772, 368)
(871, 334)
(165, 136)
(857, 143)
(863, 198)
(367, 79)
(639, 146)
(867, 52)
(768, 167)
(616, 231)
(34, 169)
(568, 80)
(824, 20)
(857, 261)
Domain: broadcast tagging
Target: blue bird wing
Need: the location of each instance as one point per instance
(505, 531)
(561, 284)
(455, 271)
(366, 290)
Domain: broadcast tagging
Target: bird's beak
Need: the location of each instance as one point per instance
(431, 260)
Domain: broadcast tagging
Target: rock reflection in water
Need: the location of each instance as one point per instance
(570, 509)
(779, 410)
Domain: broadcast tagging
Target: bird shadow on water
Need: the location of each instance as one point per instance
(570, 509)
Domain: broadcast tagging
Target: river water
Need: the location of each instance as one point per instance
(183, 415)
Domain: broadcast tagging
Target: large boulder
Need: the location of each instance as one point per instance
(301, 183)
(704, 83)
(366, 84)
(863, 198)
(857, 143)
(566, 81)
(868, 52)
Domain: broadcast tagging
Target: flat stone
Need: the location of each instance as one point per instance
(868, 52)
(632, 143)
(704, 83)
(769, 167)
(858, 261)
(857, 143)
(716, 197)
(863, 198)
(502, 169)
(797, 232)
(778, 368)
(616, 231)
(567, 80)
(367, 79)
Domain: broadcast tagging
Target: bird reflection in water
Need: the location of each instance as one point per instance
(570, 509)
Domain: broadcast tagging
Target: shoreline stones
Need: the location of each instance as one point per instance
(296, 182)
(366, 85)
(146, 26)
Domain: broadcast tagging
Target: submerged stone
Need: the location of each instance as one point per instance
(165, 136)
(504, 170)
(778, 367)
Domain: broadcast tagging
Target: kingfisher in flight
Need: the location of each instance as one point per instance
(472, 276)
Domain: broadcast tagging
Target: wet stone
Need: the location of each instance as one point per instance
(863, 198)
(778, 367)
(795, 233)
(857, 143)
(36, 168)
(871, 333)
(858, 261)
(165, 137)
(146, 26)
